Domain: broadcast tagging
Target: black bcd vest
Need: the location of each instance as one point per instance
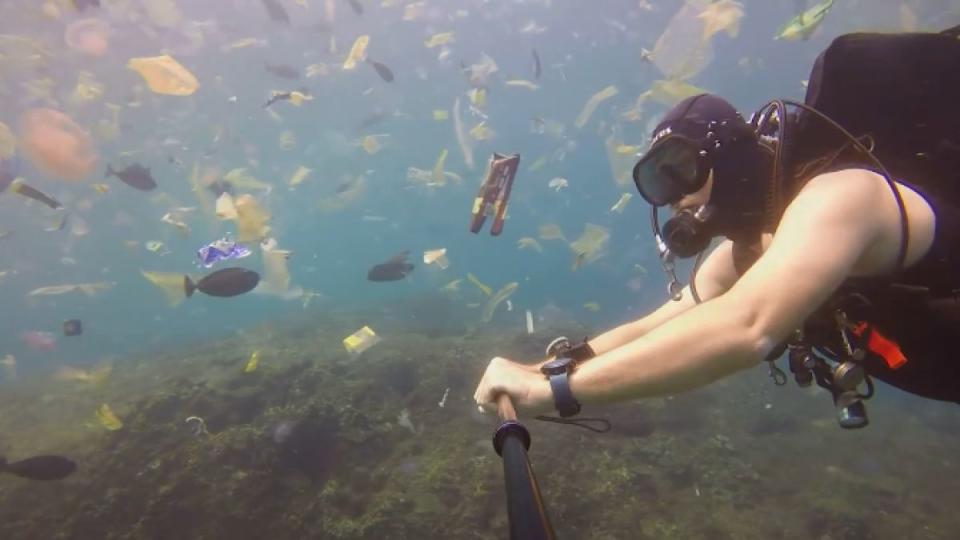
(903, 91)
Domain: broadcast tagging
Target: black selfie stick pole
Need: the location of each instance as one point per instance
(528, 517)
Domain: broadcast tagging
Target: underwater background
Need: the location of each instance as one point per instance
(371, 148)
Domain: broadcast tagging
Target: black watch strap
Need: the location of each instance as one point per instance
(563, 399)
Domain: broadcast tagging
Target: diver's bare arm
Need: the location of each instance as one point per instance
(715, 276)
(820, 238)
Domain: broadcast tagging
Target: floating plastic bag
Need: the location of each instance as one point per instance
(680, 51)
(360, 341)
(164, 75)
(108, 419)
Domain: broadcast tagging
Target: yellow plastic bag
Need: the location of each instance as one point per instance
(360, 341)
(108, 419)
(164, 75)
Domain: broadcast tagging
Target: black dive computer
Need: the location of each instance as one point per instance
(558, 371)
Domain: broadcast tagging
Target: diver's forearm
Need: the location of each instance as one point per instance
(609, 340)
(691, 350)
(619, 336)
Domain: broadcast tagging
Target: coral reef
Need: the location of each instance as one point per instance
(308, 445)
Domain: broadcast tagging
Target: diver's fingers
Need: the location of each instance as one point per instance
(484, 396)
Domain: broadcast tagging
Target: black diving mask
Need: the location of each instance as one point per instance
(675, 166)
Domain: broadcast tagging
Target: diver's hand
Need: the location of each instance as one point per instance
(528, 389)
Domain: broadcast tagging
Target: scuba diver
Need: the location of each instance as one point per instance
(840, 228)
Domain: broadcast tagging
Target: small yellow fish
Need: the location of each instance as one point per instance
(436, 40)
(252, 362)
(107, 418)
(101, 188)
(440, 115)
(628, 149)
(592, 306)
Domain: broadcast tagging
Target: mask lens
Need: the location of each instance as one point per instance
(668, 172)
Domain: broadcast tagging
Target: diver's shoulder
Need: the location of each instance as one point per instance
(846, 187)
(858, 176)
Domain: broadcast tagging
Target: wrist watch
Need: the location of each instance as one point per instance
(558, 371)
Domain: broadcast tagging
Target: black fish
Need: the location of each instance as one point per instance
(282, 70)
(395, 269)
(536, 64)
(276, 11)
(357, 6)
(136, 176)
(224, 283)
(382, 70)
(40, 467)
